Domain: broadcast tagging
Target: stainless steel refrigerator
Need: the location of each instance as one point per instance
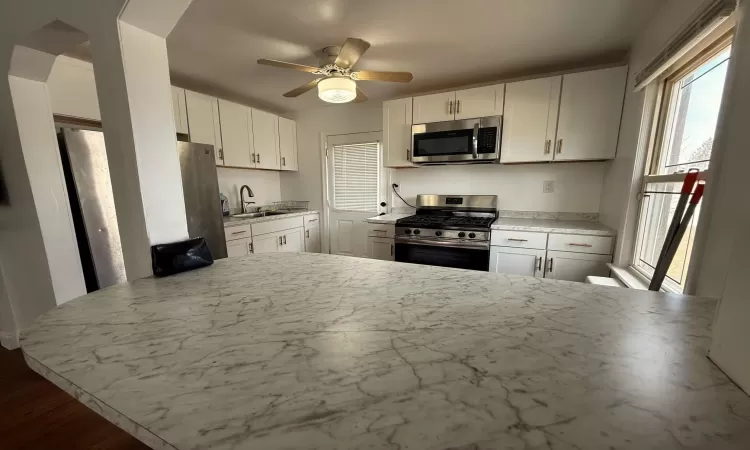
(86, 170)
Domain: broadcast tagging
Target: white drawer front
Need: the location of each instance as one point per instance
(238, 232)
(580, 243)
(381, 231)
(519, 239)
(312, 221)
(273, 226)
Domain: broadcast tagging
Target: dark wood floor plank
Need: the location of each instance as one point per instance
(36, 415)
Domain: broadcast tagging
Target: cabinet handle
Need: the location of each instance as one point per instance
(238, 232)
(307, 233)
(458, 106)
(579, 245)
(450, 107)
(559, 146)
(408, 154)
(284, 239)
(258, 158)
(280, 241)
(547, 145)
(221, 154)
(391, 249)
(518, 240)
(250, 247)
(550, 264)
(539, 264)
(253, 158)
(283, 161)
(313, 220)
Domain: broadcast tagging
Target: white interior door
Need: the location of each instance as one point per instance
(355, 187)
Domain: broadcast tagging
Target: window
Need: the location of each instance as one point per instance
(691, 99)
(356, 171)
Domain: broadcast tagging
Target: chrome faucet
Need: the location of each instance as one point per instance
(242, 197)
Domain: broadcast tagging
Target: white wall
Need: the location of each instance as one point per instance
(619, 203)
(265, 184)
(72, 89)
(578, 186)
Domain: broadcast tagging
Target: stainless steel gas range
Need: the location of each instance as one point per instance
(448, 231)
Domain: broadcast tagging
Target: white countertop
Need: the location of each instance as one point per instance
(387, 218)
(285, 350)
(553, 226)
(235, 221)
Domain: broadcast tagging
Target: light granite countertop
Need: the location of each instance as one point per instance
(553, 226)
(387, 218)
(311, 351)
(235, 221)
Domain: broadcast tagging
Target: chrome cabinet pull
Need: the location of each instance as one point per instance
(547, 145)
(518, 240)
(559, 146)
(572, 244)
(408, 154)
(221, 154)
(458, 106)
(258, 158)
(284, 239)
(313, 220)
(539, 264)
(450, 107)
(253, 157)
(280, 241)
(238, 232)
(307, 233)
(250, 247)
(391, 249)
(550, 264)
(283, 160)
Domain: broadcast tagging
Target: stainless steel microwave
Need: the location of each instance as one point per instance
(457, 141)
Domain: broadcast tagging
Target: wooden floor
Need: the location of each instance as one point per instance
(36, 415)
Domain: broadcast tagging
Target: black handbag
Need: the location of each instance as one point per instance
(169, 259)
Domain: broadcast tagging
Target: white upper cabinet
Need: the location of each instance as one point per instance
(434, 108)
(479, 102)
(530, 120)
(590, 112)
(288, 144)
(180, 110)
(203, 121)
(265, 128)
(235, 134)
(397, 133)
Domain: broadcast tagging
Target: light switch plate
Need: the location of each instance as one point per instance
(549, 187)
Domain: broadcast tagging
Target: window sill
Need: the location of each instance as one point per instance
(629, 277)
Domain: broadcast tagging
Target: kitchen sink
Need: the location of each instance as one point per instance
(275, 213)
(249, 215)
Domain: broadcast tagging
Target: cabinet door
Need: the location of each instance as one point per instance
(381, 249)
(293, 241)
(590, 111)
(576, 266)
(312, 240)
(517, 261)
(288, 144)
(218, 147)
(434, 108)
(266, 243)
(530, 120)
(397, 133)
(234, 134)
(200, 118)
(480, 102)
(179, 110)
(266, 138)
(239, 247)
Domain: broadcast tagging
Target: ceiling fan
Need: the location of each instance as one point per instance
(338, 83)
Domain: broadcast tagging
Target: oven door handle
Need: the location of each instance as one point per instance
(468, 245)
(475, 141)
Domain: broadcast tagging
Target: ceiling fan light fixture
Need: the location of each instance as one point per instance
(337, 90)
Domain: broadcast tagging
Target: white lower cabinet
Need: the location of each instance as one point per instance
(381, 248)
(517, 261)
(239, 247)
(279, 242)
(266, 243)
(570, 266)
(312, 240)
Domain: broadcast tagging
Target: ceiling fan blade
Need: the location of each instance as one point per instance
(396, 77)
(302, 89)
(350, 52)
(361, 97)
(286, 65)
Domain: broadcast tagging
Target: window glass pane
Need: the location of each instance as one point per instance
(355, 177)
(657, 210)
(695, 110)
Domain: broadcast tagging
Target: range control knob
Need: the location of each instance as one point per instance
(438, 233)
(417, 231)
(407, 231)
(472, 235)
(461, 234)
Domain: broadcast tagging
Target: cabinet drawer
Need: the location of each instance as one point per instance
(381, 230)
(312, 221)
(580, 243)
(277, 225)
(238, 232)
(519, 239)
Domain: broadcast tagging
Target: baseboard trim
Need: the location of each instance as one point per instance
(9, 340)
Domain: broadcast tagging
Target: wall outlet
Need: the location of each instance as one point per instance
(549, 187)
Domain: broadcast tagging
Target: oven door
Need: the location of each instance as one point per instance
(472, 140)
(444, 253)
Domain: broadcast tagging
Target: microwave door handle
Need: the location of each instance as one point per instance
(475, 141)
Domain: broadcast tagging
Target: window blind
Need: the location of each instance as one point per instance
(705, 21)
(355, 177)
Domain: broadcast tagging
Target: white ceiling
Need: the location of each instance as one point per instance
(444, 43)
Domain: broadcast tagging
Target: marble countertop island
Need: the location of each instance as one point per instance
(388, 219)
(311, 351)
